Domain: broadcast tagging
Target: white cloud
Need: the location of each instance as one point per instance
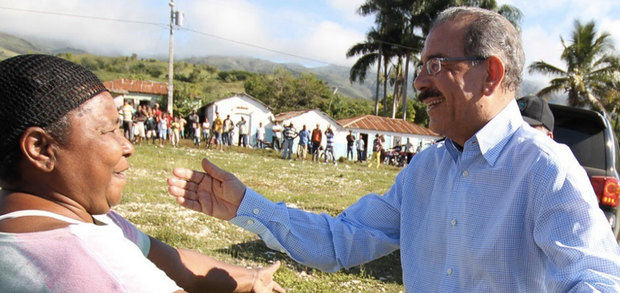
(98, 36)
(234, 20)
(541, 44)
(329, 42)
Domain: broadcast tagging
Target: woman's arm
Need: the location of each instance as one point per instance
(196, 272)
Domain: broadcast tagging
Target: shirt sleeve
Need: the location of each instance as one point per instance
(571, 230)
(132, 233)
(366, 230)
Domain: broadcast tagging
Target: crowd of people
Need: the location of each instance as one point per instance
(151, 124)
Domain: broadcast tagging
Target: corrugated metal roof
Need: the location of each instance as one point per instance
(136, 86)
(371, 122)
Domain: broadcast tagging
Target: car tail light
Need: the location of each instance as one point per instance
(607, 189)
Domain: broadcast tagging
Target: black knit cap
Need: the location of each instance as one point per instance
(37, 90)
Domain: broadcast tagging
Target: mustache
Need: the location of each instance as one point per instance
(429, 93)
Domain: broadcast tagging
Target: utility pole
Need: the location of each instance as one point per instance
(176, 18)
(170, 59)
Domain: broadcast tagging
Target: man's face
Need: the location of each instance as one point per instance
(92, 162)
(453, 95)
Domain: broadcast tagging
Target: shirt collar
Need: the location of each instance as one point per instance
(494, 136)
(491, 139)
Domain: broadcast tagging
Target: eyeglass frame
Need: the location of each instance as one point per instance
(445, 59)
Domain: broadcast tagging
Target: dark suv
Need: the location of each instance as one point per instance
(590, 136)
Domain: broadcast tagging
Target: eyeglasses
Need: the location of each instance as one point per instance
(433, 65)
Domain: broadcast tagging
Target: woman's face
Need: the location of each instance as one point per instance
(92, 162)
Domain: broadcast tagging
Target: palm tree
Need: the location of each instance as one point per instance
(371, 52)
(592, 69)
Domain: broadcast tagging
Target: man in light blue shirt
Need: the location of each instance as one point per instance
(495, 207)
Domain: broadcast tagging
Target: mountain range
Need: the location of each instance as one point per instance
(334, 76)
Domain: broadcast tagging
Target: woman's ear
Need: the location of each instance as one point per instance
(37, 147)
(495, 75)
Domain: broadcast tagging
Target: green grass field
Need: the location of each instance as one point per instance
(316, 187)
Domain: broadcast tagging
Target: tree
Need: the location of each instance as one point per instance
(592, 69)
(283, 92)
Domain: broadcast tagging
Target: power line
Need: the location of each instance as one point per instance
(257, 46)
(189, 30)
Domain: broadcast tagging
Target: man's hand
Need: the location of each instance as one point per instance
(214, 192)
(263, 280)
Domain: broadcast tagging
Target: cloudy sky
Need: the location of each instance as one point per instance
(308, 32)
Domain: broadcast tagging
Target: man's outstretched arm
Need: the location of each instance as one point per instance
(363, 232)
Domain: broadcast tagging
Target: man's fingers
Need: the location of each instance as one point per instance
(184, 193)
(213, 170)
(188, 185)
(190, 204)
(271, 270)
(188, 175)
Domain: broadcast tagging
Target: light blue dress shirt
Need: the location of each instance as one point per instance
(513, 212)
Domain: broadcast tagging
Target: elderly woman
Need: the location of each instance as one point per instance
(62, 168)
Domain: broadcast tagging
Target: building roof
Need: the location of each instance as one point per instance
(378, 123)
(293, 114)
(240, 95)
(136, 86)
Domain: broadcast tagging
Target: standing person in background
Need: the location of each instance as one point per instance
(289, 134)
(350, 142)
(276, 138)
(169, 119)
(360, 148)
(244, 130)
(260, 136)
(151, 126)
(377, 148)
(410, 150)
(162, 127)
(175, 131)
(316, 138)
(183, 125)
(140, 126)
(193, 118)
(196, 134)
(228, 128)
(329, 144)
(536, 113)
(302, 147)
(206, 129)
(127, 115)
(217, 130)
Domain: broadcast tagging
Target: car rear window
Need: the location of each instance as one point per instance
(585, 137)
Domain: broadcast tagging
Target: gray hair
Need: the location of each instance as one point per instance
(489, 34)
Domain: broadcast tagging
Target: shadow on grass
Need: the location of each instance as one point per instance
(386, 269)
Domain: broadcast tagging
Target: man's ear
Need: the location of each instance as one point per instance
(495, 75)
(37, 147)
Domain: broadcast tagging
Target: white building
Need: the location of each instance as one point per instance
(395, 131)
(237, 106)
(310, 118)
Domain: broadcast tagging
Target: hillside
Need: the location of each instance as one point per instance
(334, 76)
(11, 46)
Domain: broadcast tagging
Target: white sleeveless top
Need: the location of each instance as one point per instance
(82, 257)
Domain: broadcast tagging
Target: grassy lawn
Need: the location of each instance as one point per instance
(320, 188)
